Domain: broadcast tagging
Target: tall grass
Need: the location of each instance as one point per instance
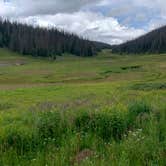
(105, 125)
(135, 137)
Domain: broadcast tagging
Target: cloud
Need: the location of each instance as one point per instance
(91, 25)
(156, 23)
(6, 9)
(41, 7)
(159, 5)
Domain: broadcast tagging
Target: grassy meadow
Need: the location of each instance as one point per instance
(97, 111)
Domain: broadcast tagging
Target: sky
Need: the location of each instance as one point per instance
(109, 21)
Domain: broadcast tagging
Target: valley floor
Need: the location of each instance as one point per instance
(104, 110)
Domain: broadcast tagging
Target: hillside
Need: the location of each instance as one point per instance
(152, 42)
(36, 41)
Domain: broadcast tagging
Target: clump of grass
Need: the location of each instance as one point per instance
(161, 127)
(5, 106)
(18, 140)
(105, 125)
(149, 86)
(51, 126)
(107, 73)
(113, 124)
(137, 109)
(131, 67)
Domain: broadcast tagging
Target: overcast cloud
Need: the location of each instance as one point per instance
(111, 21)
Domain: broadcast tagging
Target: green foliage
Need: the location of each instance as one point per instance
(51, 126)
(5, 106)
(19, 140)
(137, 109)
(149, 86)
(105, 125)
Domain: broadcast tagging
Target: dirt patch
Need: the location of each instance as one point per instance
(20, 63)
(43, 106)
(6, 64)
(86, 153)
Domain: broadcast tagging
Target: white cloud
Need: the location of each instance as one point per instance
(39, 7)
(7, 9)
(159, 5)
(156, 23)
(94, 26)
(119, 7)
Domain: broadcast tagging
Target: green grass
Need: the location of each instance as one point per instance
(105, 110)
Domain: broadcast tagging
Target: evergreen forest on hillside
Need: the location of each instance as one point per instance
(44, 42)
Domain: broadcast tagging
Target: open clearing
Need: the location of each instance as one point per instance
(31, 89)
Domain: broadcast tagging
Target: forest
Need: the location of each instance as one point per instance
(44, 42)
(152, 42)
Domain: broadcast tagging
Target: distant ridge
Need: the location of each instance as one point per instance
(152, 42)
(37, 41)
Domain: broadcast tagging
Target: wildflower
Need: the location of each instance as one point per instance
(140, 130)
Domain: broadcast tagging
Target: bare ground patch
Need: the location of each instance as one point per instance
(84, 154)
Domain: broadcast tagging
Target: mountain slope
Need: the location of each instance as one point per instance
(44, 42)
(152, 42)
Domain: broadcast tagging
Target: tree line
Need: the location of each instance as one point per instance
(152, 42)
(44, 42)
